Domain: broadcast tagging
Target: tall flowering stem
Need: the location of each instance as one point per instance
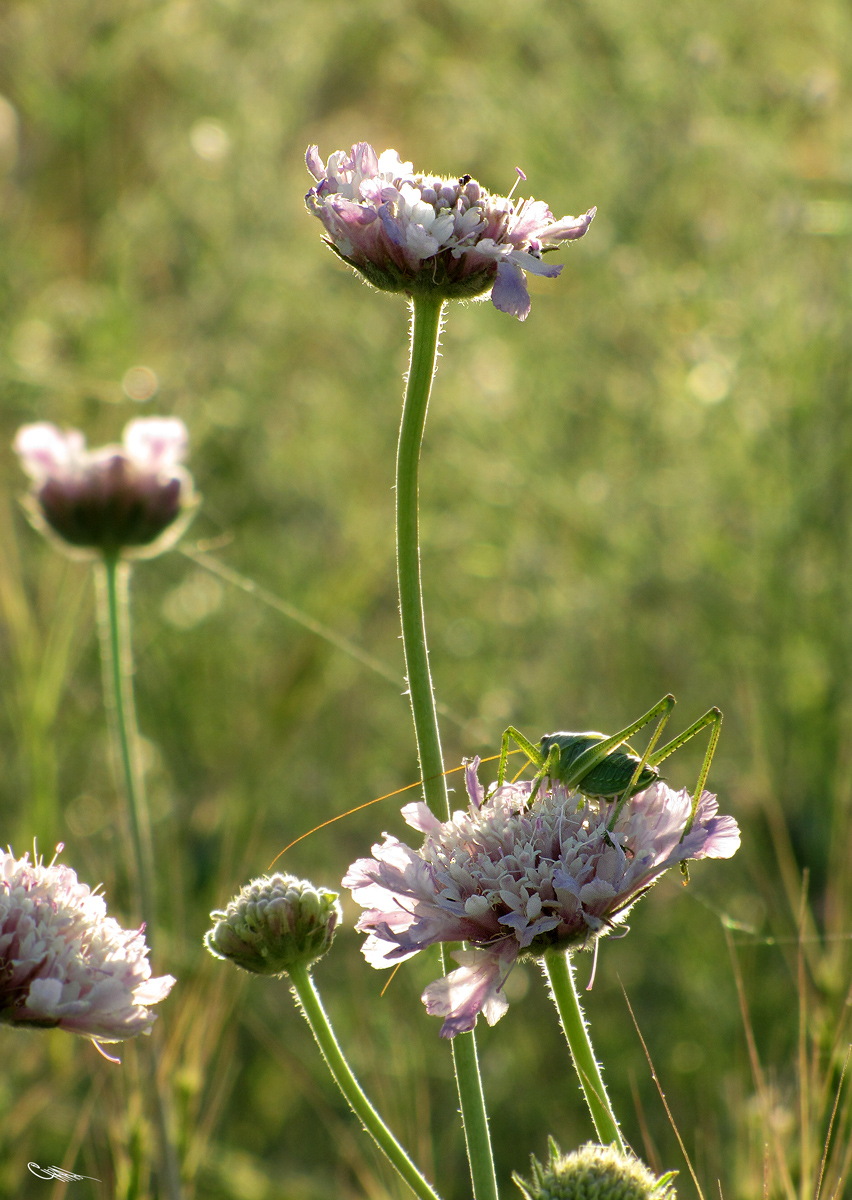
(559, 970)
(426, 322)
(312, 1007)
(425, 329)
(112, 579)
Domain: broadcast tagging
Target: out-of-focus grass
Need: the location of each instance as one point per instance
(645, 488)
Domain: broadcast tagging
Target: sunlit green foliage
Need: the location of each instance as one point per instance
(645, 488)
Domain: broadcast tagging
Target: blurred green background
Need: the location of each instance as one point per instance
(644, 488)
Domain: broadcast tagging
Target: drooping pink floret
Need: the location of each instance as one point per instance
(414, 233)
(64, 962)
(513, 879)
(132, 500)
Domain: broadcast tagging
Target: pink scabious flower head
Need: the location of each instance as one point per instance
(514, 879)
(426, 234)
(276, 922)
(64, 962)
(128, 501)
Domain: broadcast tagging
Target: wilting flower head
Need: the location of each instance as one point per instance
(514, 879)
(132, 500)
(276, 922)
(413, 233)
(594, 1173)
(64, 962)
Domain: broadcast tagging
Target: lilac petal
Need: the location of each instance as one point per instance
(474, 988)
(471, 777)
(156, 443)
(529, 262)
(568, 229)
(420, 817)
(365, 159)
(530, 219)
(711, 836)
(45, 450)
(392, 227)
(314, 163)
(509, 293)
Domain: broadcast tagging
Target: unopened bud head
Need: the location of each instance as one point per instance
(594, 1173)
(131, 500)
(275, 923)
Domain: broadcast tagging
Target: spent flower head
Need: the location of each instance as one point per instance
(594, 1173)
(426, 234)
(132, 500)
(514, 879)
(64, 962)
(275, 922)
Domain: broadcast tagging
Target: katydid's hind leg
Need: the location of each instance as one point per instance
(590, 758)
(713, 718)
(532, 752)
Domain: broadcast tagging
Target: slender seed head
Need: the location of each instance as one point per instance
(594, 1173)
(276, 922)
(128, 501)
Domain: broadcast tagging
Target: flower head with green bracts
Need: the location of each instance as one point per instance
(426, 234)
(594, 1173)
(516, 879)
(276, 922)
(127, 501)
(64, 962)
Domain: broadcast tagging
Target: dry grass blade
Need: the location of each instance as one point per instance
(757, 1074)
(804, 1074)
(651, 1155)
(686, 1157)
(831, 1125)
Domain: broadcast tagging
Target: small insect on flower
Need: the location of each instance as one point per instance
(605, 768)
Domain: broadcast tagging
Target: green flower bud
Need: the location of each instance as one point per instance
(275, 923)
(594, 1173)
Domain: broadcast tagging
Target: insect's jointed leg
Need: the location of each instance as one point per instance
(546, 770)
(590, 758)
(532, 752)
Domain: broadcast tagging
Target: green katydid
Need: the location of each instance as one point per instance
(603, 767)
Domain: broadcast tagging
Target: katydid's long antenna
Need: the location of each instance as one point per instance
(358, 807)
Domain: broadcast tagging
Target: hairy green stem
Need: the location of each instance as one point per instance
(113, 582)
(425, 328)
(116, 655)
(311, 1005)
(559, 970)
